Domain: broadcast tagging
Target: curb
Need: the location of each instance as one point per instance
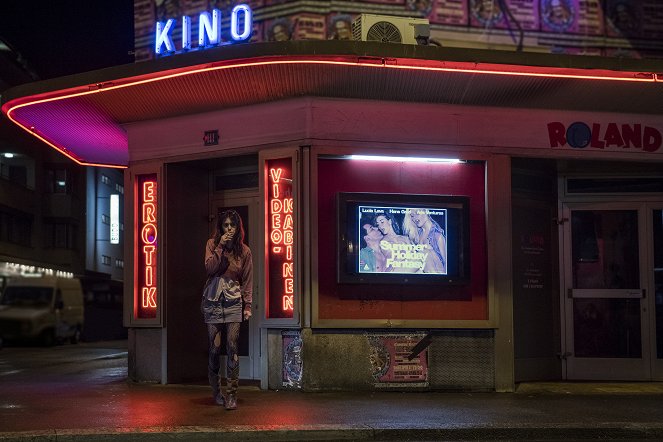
(552, 432)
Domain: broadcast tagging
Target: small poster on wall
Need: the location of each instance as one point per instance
(292, 359)
(490, 14)
(572, 17)
(391, 366)
(450, 12)
(634, 18)
(310, 27)
(339, 27)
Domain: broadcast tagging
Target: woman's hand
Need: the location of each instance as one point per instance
(226, 238)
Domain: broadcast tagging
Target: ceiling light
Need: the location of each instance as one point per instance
(404, 159)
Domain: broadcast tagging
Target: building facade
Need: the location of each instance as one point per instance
(541, 173)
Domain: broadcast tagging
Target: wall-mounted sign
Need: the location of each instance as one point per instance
(280, 239)
(211, 138)
(610, 136)
(209, 30)
(145, 247)
(115, 218)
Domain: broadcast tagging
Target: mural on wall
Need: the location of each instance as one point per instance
(630, 28)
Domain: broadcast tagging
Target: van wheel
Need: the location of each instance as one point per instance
(76, 338)
(48, 338)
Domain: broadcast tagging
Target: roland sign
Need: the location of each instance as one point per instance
(209, 30)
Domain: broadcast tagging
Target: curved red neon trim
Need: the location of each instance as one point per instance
(376, 62)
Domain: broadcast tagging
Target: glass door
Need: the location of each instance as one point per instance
(246, 204)
(656, 284)
(605, 257)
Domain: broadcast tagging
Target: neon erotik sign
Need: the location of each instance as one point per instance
(209, 30)
(281, 233)
(145, 296)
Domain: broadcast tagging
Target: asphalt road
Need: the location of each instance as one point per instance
(81, 393)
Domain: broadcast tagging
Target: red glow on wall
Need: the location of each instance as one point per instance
(280, 239)
(145, 247)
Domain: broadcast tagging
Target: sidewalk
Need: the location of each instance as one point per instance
(125, 411)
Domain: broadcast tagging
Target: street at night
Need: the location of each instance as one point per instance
(81, 392)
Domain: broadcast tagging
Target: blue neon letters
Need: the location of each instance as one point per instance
(209, 30)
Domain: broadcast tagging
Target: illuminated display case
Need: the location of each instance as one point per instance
(282, 233)
(146, 308)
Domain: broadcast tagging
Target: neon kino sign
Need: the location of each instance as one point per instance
(145, 297)
(280, 228)
(209, 30)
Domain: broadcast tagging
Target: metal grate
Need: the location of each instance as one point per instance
(462, 360)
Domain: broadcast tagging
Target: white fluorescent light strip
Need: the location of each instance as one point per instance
(405, 159)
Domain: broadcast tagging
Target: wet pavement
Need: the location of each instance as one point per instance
(92, 400)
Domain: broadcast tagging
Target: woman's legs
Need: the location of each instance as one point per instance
(214, 360)
(232, 366)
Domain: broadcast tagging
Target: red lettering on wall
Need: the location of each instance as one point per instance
(632, 135)
(556, 134)
(612, 136)
(651, 140)
(596, 142)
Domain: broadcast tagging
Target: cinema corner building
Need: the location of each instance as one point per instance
(543, 174)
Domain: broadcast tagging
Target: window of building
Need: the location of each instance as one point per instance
(119, 189)
(17, 168)
(119, 263)
(105, 218)
(105, 260)
(60, 234)
(15, 227)
(58, 180)
(105, 179)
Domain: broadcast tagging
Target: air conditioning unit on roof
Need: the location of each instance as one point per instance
(389, 29)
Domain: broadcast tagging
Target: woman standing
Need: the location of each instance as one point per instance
(228, 257)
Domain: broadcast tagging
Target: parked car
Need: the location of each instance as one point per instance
(46, 308)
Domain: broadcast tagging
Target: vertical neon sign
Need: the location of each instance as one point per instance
(280, 239)
(145, 247)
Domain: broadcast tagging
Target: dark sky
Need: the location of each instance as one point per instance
(62, 37)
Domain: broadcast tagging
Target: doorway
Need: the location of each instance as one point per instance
(612, 300)
(246, 203)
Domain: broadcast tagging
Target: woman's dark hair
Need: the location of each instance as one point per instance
(236, 244)
(392, 221)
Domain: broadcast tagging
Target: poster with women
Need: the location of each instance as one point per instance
(490, 14)
(634, 18)
(402, 240)
(572, 17)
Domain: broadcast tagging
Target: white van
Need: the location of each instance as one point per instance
(47, 308)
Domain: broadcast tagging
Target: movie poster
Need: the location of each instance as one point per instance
(421, 8)
(310, 27)
(279, 29)
(634, 18)
(402, 240)
(144, 17)
(386, 2)
(390, 364)
(339, 27)
(526, 12)
(572, 17)
(450, 12)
